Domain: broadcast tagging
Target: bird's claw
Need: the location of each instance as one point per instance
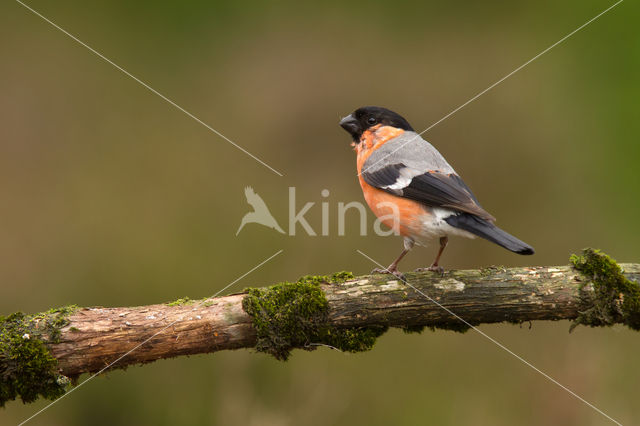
(394, 272)
(432, 268)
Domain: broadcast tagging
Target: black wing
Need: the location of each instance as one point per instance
(433, 188)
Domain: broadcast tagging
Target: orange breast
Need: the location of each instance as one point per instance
(400, 214)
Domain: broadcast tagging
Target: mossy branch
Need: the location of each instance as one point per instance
(43, 354)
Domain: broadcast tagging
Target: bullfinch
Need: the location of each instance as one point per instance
(412, 189)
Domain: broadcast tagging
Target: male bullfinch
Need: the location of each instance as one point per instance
(412, 189)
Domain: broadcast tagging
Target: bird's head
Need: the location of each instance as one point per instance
(367, 117)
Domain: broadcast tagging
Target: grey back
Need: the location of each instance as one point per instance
(411, 150)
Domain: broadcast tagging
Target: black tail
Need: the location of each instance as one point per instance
(488, 231)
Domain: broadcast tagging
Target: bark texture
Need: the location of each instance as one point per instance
(40, 353)
(95, 337)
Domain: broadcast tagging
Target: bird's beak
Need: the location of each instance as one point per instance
(351, 125)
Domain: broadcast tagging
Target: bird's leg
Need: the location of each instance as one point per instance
(393, 268)
(434, 266)
(443, 243)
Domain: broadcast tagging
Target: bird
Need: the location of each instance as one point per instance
(413, 190)
(260, 213)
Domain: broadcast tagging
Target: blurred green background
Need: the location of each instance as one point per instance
(110, 196)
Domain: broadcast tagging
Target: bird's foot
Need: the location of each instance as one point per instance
(432, 268)
(393, 271)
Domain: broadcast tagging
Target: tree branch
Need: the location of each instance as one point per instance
(346, 313)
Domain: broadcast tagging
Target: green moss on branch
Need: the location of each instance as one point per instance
(610, 297)
(295, 315)
(182, 301)
(457, 326)
(337, 277)
(27, 368)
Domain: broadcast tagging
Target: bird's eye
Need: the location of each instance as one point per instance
(372, 120)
